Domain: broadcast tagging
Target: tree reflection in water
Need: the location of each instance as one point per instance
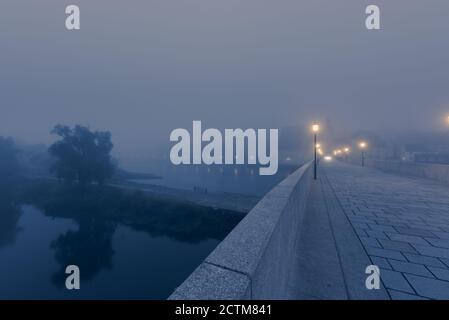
(89, 248)
(98, 211)
(9, 218)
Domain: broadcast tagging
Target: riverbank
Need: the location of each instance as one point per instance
(150, 241)
(178, 219)
(236, 202)
(218, 200)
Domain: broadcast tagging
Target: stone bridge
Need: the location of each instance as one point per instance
(311, 239)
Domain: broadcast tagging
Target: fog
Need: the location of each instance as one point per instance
(143, 68)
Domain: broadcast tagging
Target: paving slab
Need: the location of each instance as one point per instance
(409, 235)
(331, 261)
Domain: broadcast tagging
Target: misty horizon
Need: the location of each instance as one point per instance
(256, 65)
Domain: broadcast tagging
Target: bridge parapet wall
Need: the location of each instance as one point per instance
(439, 172)
(255, 260)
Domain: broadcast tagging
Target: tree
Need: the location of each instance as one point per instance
(9, 165)
(83, 156)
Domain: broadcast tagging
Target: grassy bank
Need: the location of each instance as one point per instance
(180, 220)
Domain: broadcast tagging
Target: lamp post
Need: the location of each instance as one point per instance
(362, 146)
(320, 154)
(347, 150)
(315, 129)
(338, 153)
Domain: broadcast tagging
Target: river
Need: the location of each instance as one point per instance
(116, 262)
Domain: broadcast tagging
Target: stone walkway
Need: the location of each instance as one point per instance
(403, 225)
(331, 261)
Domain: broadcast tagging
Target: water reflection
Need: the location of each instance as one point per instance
(98, 212)
(89, 248)
(9, 217)
(119, 262)
(148, 245)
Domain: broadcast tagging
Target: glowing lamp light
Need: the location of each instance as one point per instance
(315, 127)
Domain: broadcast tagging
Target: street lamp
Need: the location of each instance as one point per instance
(315, 130)
(362, 146)
(338, 152)
(346, 150)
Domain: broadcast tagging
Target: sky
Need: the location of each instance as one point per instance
(141, 68)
